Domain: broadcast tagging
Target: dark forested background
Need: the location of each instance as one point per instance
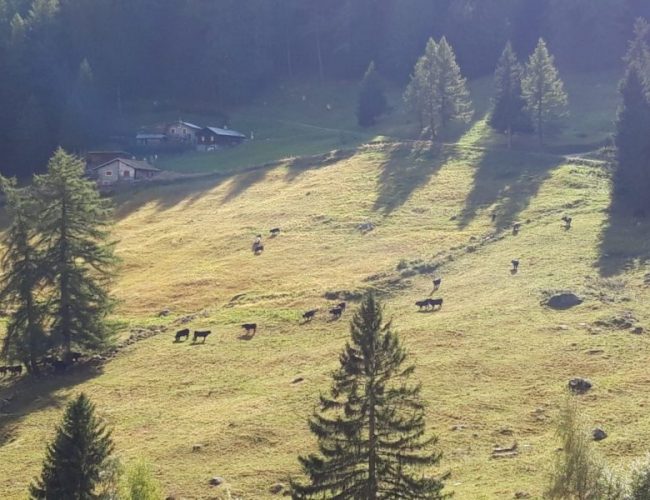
(69, 66)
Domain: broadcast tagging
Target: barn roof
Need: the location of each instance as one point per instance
(190, 125)
(136, 164)
(225, 132)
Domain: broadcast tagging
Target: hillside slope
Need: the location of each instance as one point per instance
(493, 362)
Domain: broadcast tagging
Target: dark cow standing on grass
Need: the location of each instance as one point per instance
(258, 246)
(185, 332)
(309, 315)
(436, 284)
(201, 334)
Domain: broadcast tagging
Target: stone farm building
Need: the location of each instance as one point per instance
(183, 132)
(123, 170)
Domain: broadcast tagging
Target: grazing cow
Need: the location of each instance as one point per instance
(250, 327)
(336, 312)
(74, 356)
(201, 334)
(422, 304)
(274, 232)
(516, 227)
(258, 248)
(435, 303)
(342, 306)
(185, 332)
(567, 222)
(3, 370)
(309, 315)
(515, 265)
(436, 283)
(494, 217)
(15, 370)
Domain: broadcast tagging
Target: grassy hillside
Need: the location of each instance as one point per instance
(493, 363)
(297, 119)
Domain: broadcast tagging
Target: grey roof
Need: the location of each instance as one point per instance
(136, 164)
(190, 125)
(225, 131)
(150, 136)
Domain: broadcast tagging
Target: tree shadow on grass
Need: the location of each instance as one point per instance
(30, 395)
(508, 179)
(408, 167)
(240, 183)
(297, 166)
(624, 242)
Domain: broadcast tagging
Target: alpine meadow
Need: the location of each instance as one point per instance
(342, 249)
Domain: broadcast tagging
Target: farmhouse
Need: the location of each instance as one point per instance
(146, 139)
(123, 170)
(184, 132)
(216, 137)
(95, 158)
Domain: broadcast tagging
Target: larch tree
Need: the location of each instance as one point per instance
(73, 234)
(371, 427)
(452, 95)
(437, 92)
(22, 280)
(543, 89)
(372, 100)
(75, 459)
(509, 114)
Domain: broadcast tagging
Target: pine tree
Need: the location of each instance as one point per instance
(437, 92)
(75, 459)
(543, 89)
(638, 51)
(22, 280)
(372, 101)
(73, 231)
(632, 176)
(371, 428)
(509, 114)
(452, 95)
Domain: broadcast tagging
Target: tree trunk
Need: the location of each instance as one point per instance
(372, 438)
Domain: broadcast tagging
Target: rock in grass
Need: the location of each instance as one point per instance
(579, 385)
(563, 301)
(277, 488)
(598, 434)
(216, 481)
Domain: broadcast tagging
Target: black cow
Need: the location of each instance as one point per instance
(3, 370)
(515, 265)
(258, 248)
(436, 283)
(342, 306)
(336, 312)
(185, 332)
(250, 327)
(309, 315)
(75, 356)
(422, 304)
(274, 232)
(201, 334)
(567, 222)
(15, 370)
(516, 227)
(435, 303)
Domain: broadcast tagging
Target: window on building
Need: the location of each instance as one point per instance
(126, 173)
(108, 173)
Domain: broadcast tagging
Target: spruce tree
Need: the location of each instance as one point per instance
(22, 280)
(73, 231)
(543, 89)
(452, 95)
(437, 92)
(372, 101)
(76, 458)
(371, 427)
(632, 176)
(509, 113)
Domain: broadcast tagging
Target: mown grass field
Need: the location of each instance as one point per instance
(493, 362)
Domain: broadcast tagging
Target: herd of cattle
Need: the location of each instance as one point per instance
(56, 364)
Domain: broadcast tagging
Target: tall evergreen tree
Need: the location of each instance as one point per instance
(73, 231)
(75, 459)
(509, 114)
(22, 280)
(372, 101)
(371, 428)
(638, 51)
(452, 94)
(437, 91)
(632, 177)
(543, 89)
